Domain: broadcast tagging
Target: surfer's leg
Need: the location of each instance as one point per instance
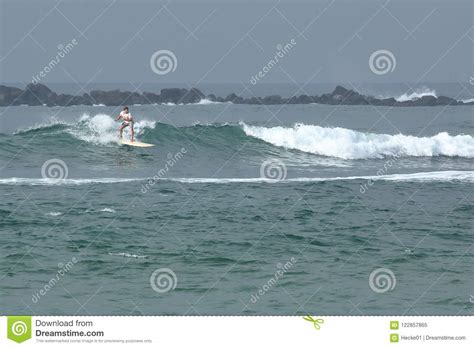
(122, 127)
(132, 132)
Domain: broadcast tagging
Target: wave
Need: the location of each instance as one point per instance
(52, 124)
(349, 144)
(53, 182)
(442, 176)
(417, 94)
(207, 102)
(100, 129)
(341, 143)
(201, 102)
(438, 176)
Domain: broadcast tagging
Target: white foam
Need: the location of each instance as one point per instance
(441, 176)
(349, 144)
(201, 102)
(215, 125)
(108, 210)
(54, 182)
(129, 255)
(102, 129)
(99, 129)
(206, 102)
(418, 93)
(55, 213)
(468, 100)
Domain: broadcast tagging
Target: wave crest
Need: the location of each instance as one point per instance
(99, 129)
(349, 144)
(102, 129)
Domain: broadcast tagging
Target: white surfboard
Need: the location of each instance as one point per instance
(135, 143)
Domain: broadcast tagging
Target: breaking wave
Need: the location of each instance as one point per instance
(349, 144)
(417, 94)
(99, 129)
(341, 143)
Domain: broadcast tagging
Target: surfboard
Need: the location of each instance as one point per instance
(135, 143)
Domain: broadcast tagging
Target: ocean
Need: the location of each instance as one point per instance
(237, 210)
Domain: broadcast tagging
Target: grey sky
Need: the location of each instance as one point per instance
(229, 41)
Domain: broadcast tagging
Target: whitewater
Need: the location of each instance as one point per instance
(350, 144)
(442, 176)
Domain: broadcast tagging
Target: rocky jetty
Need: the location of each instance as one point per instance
(38, 94)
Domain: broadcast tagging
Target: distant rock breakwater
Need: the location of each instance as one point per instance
(39, 94)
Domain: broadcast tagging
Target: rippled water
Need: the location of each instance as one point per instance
(245, 209)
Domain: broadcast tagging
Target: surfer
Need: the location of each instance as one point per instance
(127, 121)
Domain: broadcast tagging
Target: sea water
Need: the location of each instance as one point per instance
(299, 204)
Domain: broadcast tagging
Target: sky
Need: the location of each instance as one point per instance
(232, 41)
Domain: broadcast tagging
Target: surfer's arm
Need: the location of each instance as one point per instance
(118, 117)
